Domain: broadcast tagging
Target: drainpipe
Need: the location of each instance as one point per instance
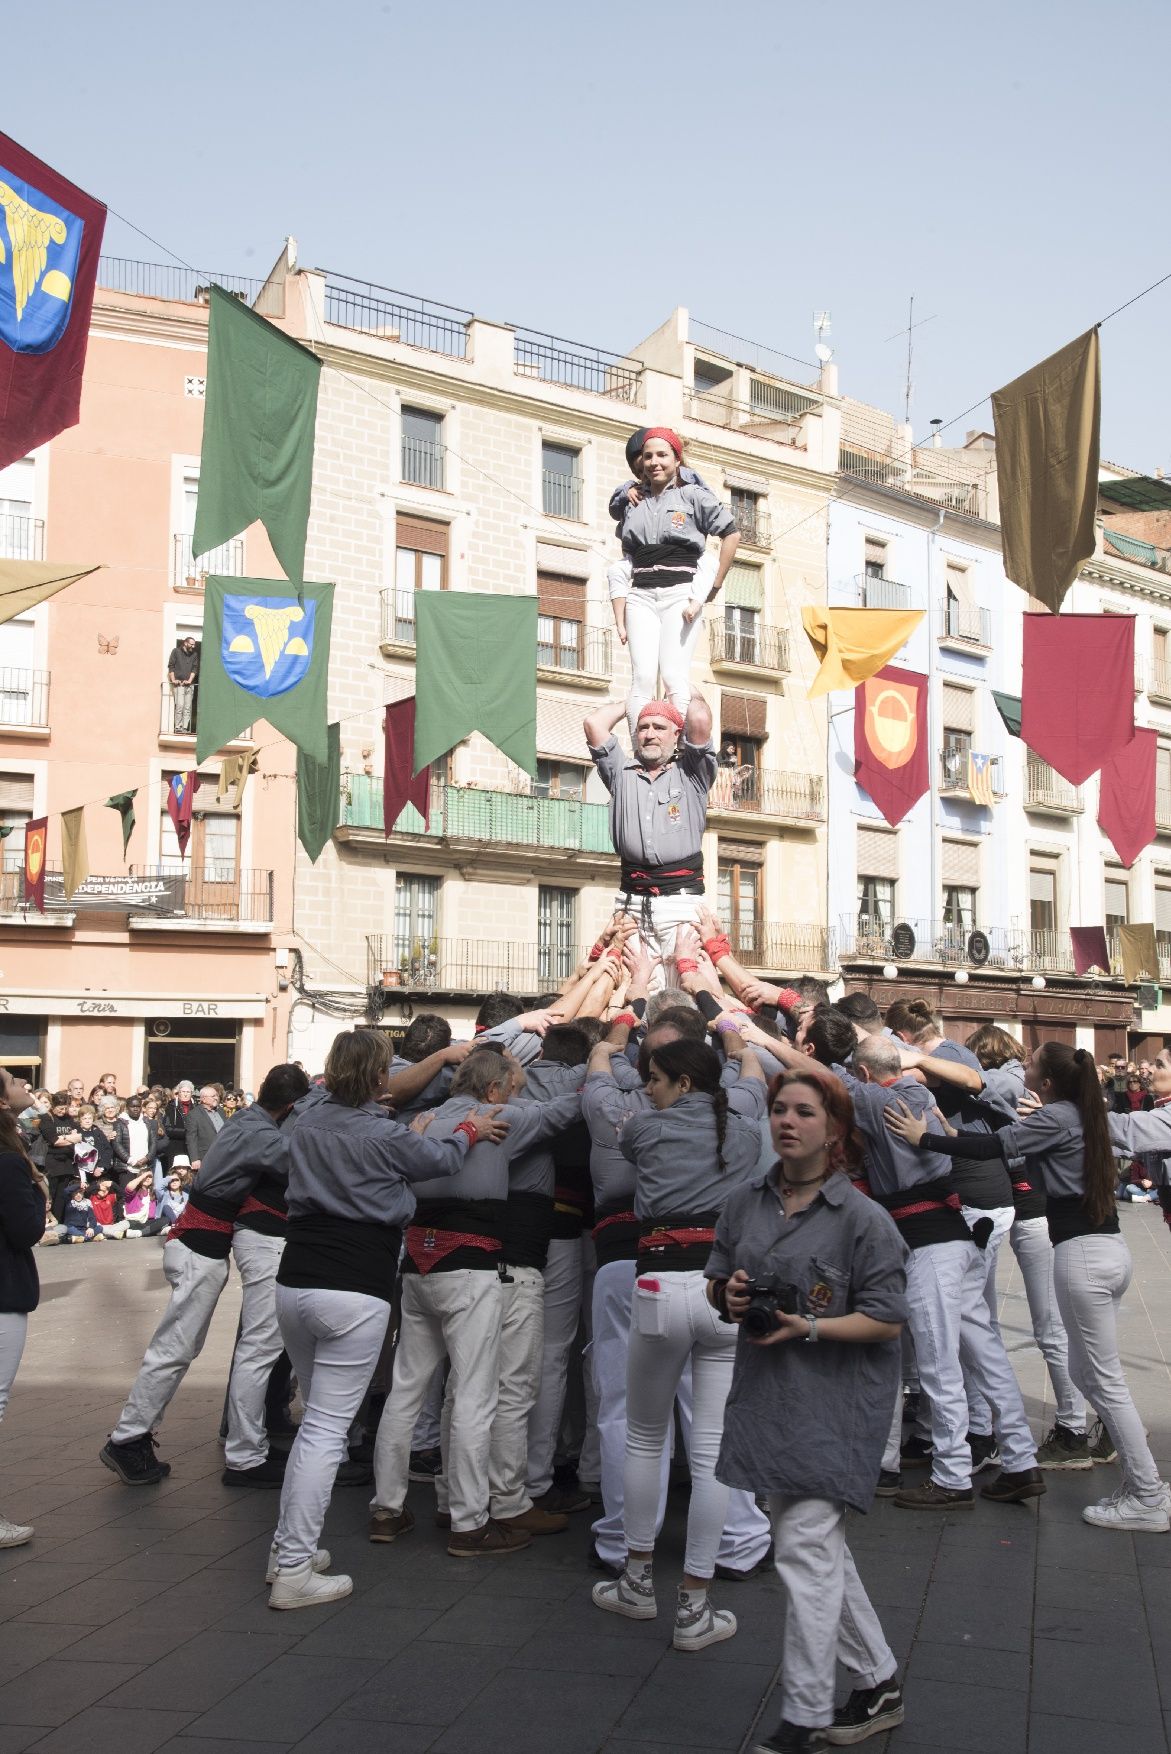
(934, 719)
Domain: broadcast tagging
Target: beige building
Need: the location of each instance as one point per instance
(459, 454)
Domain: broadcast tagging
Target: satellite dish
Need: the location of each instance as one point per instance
(824, 353)
(979, 949)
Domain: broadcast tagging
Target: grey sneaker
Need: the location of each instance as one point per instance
(698, 1624)
(1101, 1444)
(632, 1597)
(1064, 1448)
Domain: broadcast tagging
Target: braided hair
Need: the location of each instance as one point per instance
(701, 1064)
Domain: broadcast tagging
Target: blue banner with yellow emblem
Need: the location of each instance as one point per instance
(265, 655)
(50, 240)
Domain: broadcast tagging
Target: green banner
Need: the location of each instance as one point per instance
(260, 411)
(264, 656)
(1009, 708)
(319, 795)
(123, 803)
(475, 670)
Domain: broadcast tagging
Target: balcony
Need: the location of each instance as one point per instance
(158, 898)
(553, 360)
(423, 462)
(777, 948)
(775, 411)
(953, 774)
(508, 820)
(591, 656)
(753, 523)
(755, 791)
(396, 316)
(964, 628)
(24, 700)
(1159, 686)
(1047, 794)
(948, 943)
(874, 592)
(190, 574)
(474, 966)
(757, 648)
(21, 538)
(923, 473)
(561, 495)
(178, 717)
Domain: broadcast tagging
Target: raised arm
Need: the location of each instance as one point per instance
(411, 1081)
(697, 721)
(599, 724)
(947, 1071)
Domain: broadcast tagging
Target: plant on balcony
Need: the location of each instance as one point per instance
(392, 977)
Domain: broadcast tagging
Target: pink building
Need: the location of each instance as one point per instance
(160, 967)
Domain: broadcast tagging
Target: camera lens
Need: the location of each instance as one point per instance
(757, 1321)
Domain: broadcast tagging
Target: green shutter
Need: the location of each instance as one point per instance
(744, 586)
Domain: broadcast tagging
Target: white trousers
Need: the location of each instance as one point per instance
(196, 1283)
(13, 1333)
(979, 1412)
(1090, 1275)
(258, 1346)
(828, 1618)
(522, 1330)
(745, 1538)
(953, 1335)
(428, 1426)
(661, 642)
(564, 1279)
(659, 917)
(688, 1331)
(333, 1339)
(456, 1315)
(1029, 1241)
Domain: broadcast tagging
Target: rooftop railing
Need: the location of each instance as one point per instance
(556, 361)
(396, 316)
(922, 473)
(187, 285)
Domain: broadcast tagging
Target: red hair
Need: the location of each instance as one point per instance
(844, 1146)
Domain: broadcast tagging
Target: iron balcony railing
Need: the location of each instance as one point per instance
(556, 361)
(455, 965)
(179, 713)
(423, 462)
(953, 772)
(21, 538)
(781, 948)
(764, 792)
(765, 647)
(1159, 686)
(879, 593)
(590, 656)
(396, 316)
(957, 941)
(218, 891)
(922, 473)
(742, 350)
(465, 813)
(171, 891)
(774, 416)
(187, 285)
(972, 626)
(190, 574)
(24, 698)
(1046, 790)
(560, 495)
(753, 523)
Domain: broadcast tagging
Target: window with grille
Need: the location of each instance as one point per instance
(213, 848)
(1042, 900)
(556, 936)
(1117, 900)
(420, 564)
(959, 908)
(876, 552)
(422, 447)
(559, 779)
(876, 906)
(416, 910)
(16, 808)
(561, 481)
(741, 634)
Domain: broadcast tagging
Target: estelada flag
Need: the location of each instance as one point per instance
(980, 779)
(36, 839)
(890, 740)
(50, 240)
(180, 800)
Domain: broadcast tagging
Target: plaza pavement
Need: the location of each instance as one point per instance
(136, 1621)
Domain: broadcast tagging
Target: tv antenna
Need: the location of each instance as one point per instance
(821, 328)
(909, 332)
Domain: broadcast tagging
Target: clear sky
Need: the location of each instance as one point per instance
(583, 169)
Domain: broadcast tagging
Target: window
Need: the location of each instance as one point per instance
(19, 531)
(423, 448)
(1042, 900)
(16, 808)
(559, 779)
(959, 908)
(420, 564)
(20, 685)
(1163, 785)
(875, 563)
(416, 908)
(556, 935)
(750, 515)
(213, 851)
(1117, 905)
(957, 746)
(708, 377)
(739, 886)
(1163, 921)
(561, 481)
(876, 906)
(560, 614)
(741, 635)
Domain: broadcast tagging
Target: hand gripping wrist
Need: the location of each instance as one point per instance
(718, 946)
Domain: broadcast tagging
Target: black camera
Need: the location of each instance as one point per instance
(768, 1297)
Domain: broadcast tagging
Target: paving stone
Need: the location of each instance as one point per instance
(427, 1684)
(1049, 1734)
(952, 1715)
(361, 1631)
(518, 1713)
(285, 1700)
(685, 1704)
(955, 1613)
(52, 1692)
(969, 1663)
(354, 1736)
(203, 1669)
(509, 1620)
(1084, 1681)
(102, 1729)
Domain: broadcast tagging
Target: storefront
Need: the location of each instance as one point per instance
(52, 1037)
(1095, 1015)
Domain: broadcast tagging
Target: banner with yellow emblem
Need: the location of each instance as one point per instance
(890, 740)
(264, 656)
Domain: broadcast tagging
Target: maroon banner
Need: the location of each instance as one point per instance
(1126, 798)
(891, 758)
(180, 800)
(1077, 690)
(399, 788)
(1089, 949)
(52, 237)
(36, 846)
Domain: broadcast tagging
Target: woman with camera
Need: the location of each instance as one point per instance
(814, 1274)
(689, 1154)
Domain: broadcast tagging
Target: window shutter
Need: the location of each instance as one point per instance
(961, 863)
(568, 563)
(878, 853)
(959, 708)
(1163, 767)
(744, 587)
(559, 732)
(560, 596)
(416, 533)
(743, 715)
(1043, 886)
(1116, 899)
(958, 584)
(737, 852)
(16, 791)
(875, 552)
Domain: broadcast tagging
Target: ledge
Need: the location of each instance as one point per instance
(973, 648)
(202, 928)
(30, 733)
(758, 672)
(35, 921)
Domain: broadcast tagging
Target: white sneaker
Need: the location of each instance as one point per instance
(631, 1596)
(1129, 1512)
(14, 1534)
(698, 1624)
(320, 1562)
(302, 1587)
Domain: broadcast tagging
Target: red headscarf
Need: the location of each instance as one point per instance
(661, 709)
(672, 438)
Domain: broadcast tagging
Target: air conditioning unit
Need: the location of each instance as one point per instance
(1149, 996)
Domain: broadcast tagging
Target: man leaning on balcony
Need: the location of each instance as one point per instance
(658, 812)
(182, 673)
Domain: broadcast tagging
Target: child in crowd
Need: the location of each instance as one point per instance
(80, 1223)
(174, 1200)
(107, 1209)
(139, 1206)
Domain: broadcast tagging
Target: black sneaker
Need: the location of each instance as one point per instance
(730, 1574)
(915, 1453)
(1065, 1449)
(134, 1461)
(425, 1464)
(985, 1453)
(597, 1563)
(269, 1474)
(889, 1482)
(563, 1500)
(790, 1738)
(1015, 1488)
(868, 1712)
(353, 1474)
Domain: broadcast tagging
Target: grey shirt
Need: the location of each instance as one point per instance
(356, 1163)
(610, 1101)
(674, 1154)
(659, 819)
(811, 1421)
(535, 1172)
(1053, 1141)
(687, 515)
(430, 1096)
(484, 1174)
(1146, 1132)
(253, 1146)
(892, 1163)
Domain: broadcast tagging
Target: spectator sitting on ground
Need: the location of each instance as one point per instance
(79, 1220)
(174, 1201)
(107, 1209)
